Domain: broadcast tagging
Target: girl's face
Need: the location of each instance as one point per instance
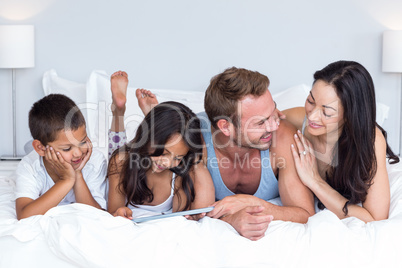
(324, 110)
(175, 150)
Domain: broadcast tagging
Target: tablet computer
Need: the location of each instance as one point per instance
(167, 215)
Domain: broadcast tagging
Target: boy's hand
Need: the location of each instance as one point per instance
(62, 168)
(86, 157)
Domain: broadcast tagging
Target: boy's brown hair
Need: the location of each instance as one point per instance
(226, 89)
(51, 114)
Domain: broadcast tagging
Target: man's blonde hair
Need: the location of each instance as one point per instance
(227, 88)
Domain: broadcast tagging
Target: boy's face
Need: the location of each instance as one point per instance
(72, 145)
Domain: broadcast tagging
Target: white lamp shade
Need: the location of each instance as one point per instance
(392, 52)
(17, 48)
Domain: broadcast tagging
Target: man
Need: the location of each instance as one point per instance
(248, 155)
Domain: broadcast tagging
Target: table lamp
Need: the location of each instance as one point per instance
(16, 51)
(392, 63)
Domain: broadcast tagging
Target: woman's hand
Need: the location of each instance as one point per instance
(305, 162)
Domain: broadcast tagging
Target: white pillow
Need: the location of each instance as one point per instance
(99, 95)
(53, 84)
(296, 97)
(292, 97)
(381, 112)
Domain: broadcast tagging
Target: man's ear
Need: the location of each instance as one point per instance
(39, 147)
(224, 126)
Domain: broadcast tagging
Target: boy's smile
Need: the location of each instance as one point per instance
(72, 146)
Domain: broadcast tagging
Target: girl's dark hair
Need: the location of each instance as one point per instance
(354, 161)
(158, 126)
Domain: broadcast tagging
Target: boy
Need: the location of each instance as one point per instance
(62, 169)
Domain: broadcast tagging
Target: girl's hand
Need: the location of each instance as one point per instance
(305, 162)
(195, 217)
(124, 212)
(87, 156)
(57, 163)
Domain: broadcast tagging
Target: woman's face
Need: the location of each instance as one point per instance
(175, 150)
(324, 110)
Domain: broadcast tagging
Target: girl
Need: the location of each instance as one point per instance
(160, 169)
(346, 170)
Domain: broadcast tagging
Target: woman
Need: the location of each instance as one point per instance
(342, 155)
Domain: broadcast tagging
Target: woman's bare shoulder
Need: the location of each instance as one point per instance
(380, 143)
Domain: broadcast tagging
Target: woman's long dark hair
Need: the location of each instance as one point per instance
(354, 161)
(158, 126)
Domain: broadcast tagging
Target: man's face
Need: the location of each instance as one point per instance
(257, 123)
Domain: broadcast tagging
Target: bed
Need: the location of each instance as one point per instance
(78, 235)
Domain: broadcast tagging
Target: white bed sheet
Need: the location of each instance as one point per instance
(81, 236)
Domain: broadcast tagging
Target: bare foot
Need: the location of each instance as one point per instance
(146, 100)
(119, 82)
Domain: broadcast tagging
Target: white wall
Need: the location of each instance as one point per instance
(182, 44)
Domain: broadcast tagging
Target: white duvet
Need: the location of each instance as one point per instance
(81, 236)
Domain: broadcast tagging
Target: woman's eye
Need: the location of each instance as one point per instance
(66, 149)
(326, 115)
(309, 101)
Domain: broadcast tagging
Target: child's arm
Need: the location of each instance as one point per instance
(116, 198)
(26, 207)
(81, 190)
(179, 198)
(204, 189)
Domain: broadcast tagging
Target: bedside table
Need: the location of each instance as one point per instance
(7, 167)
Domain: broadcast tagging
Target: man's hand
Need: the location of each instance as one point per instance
(230, 205)
(250, 222)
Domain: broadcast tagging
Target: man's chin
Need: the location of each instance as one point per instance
(259, 146)
(264, 147)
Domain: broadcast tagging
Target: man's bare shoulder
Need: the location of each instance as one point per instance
(285, 129)
(295, 116)
(283, 137)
